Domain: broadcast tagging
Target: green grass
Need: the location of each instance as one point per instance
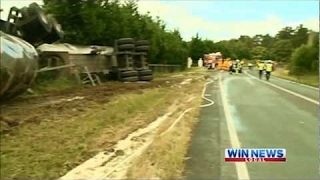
(50, 148)
(165, 157)
(42, 86)
(54, 85)
(308, 79)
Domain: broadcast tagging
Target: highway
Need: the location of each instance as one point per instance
(250, 113)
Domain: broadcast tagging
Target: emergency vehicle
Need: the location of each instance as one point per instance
(211, 60)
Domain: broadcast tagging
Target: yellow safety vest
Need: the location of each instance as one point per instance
(269, 67)
(260, 65)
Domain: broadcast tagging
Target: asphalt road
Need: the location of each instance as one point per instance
(261, 116)
(304, 90)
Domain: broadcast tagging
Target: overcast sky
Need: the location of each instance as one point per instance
(218, 20)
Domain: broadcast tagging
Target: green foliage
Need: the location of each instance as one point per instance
(100, 22)
(304, 59)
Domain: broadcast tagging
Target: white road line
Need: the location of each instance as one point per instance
(242, 170)
(286, 90)
(203, 95)
(304, 85)
(300, 84)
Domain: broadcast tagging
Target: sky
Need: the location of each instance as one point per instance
(221, 20)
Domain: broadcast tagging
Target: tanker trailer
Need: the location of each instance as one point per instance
(25, 29)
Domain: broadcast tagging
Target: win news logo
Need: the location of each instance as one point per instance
(255, 155)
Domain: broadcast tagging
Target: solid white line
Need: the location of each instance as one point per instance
(242, 170)
(286, 90)
(203, 95)
(304, 85)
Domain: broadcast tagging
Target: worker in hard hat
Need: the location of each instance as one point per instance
(269, 67)
(237, 66)
(261, 67)
(231, 66)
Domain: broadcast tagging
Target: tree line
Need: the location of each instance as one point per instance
(100, 22)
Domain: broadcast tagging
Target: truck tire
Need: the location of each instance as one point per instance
(145, 72)
(146, 78)
(130, 79)
(129, 73)
(35, 10)
(35, 27)
(125, 41)
(126, 47)
(142, 48)
(142, 43)
(56, 33)
(24, 13)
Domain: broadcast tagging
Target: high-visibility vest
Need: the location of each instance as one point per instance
(261, 66)
(269, 67)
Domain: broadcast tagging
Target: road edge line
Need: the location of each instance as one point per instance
(300, 84)
(286, 90)
(241, 167)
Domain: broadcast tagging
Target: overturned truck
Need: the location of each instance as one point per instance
(23, 31)
(126, 61)
(29, 46)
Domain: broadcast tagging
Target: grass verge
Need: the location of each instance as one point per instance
(308, 79)
(42, 86)
(52, 147)
(165, 157)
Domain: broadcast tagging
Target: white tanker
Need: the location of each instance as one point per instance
(25, 29)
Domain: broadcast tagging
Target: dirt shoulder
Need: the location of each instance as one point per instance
(61, 130)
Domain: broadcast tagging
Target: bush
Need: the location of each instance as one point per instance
(303, 60)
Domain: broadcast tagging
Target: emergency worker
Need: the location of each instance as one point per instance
(261, 67)
(230, 66)
(269, 67)
(237, 66)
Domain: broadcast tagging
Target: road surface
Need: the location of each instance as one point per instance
(259, 115)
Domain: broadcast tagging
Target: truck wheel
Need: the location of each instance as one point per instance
(145, 72)
(35, 10)
(142, 48)
(56, 33)
(146, 78)
(35, 27)
(124, 74)
(142, 43)
(125, 41)
(130, 79)
(24, 13)
(124, 47)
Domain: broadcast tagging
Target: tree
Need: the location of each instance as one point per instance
(197, 48)
(259, 52)
(305, 58)
(300, 36)
(285, 34)
(267, 41)
(282, 50)
(101, 22)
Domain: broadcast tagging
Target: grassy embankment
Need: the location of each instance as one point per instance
(308, 79)
(52, 147)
